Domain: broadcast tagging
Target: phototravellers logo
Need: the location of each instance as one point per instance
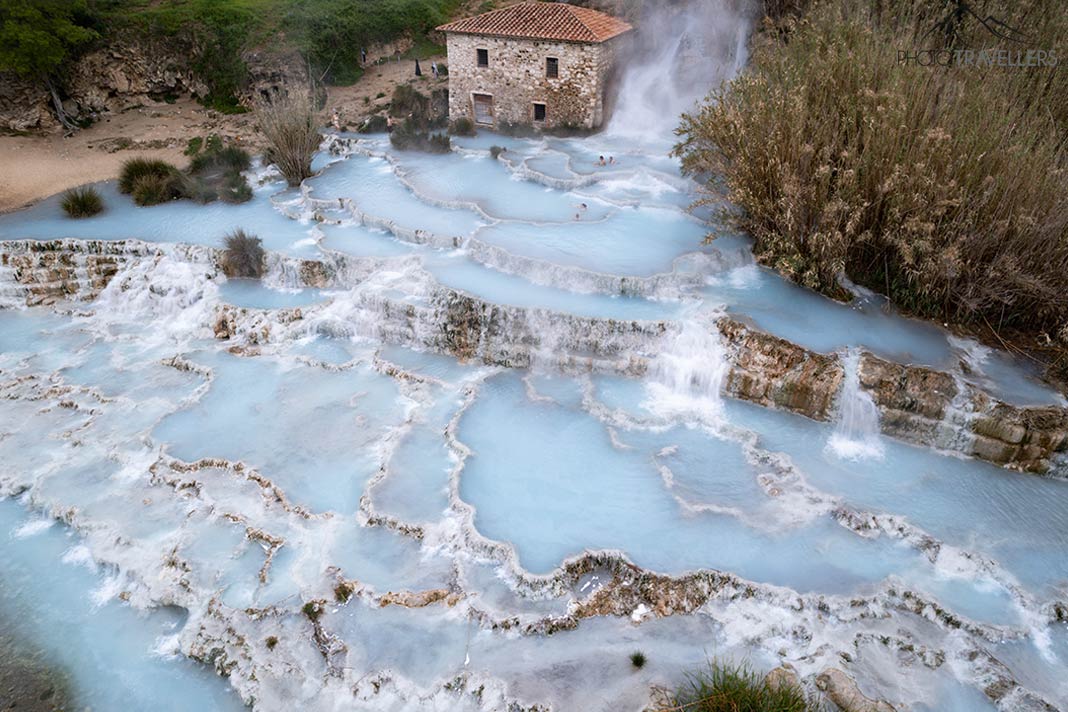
(951, 28)
(977, 58)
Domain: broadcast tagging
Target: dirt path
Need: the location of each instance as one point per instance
(35, 167)
(371, 94)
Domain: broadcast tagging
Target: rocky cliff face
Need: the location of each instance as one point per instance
(24, 105)
(917, 404)
(131, 70)
(37, 273)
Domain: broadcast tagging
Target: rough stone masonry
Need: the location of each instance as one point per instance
(544, 65)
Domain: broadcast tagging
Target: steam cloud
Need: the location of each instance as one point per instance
(680, 52)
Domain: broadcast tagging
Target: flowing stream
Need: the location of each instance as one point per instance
(336, 515)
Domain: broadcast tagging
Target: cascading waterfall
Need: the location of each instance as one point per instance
(689, 372)
(856, 435)
(686, 51)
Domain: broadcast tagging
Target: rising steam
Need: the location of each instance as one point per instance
(680, 52)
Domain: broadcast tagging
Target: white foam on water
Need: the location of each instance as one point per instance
(166, 298)
(33, 527)
(108, 590)
(80, 555)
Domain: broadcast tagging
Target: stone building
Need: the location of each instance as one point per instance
(536, 63)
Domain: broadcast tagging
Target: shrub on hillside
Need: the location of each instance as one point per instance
(944, 187)
(288, 123)
(408, 137)
(331, 33)
(462, 126)
(243, 255)
(82, 202)
(408, 104)
(374, 124)
(728, 688)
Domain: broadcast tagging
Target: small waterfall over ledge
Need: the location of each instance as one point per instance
(689, 372)
(856, 435)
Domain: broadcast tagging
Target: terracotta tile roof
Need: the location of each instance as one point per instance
(543, 21)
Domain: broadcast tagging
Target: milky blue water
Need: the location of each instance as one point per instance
(207, 480)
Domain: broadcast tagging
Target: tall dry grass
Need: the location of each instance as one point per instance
(287, 121)
(944, 188)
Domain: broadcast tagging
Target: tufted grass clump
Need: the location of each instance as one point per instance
(226, 159)
(243, 255)
(82, 202)
(271, 642)
(343, 592)
(135, 169)
(312, 610)
(287, 121)
(638, 659)
(216, 173)
(155, 188)
(729, 688)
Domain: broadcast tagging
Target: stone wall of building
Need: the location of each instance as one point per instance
(516, 79)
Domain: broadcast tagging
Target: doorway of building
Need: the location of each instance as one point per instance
(483, 109)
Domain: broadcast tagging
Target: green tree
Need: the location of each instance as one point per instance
(38, 36)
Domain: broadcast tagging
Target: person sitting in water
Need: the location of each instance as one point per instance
(582, 207)
(611, 160)
(600, 161)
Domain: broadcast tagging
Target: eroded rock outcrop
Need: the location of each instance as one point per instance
(132, 69)
(43, 272)
(127, 72)
(774, 372)
(24, 104)
(916, 403)
(842, 690)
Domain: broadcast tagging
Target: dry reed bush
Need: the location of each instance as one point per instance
(287, 121)
(945, 188)
(243, 255)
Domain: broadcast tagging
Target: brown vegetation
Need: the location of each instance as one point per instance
(287, 121)
(944, 187)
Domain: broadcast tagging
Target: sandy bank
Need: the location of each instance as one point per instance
(33, 167)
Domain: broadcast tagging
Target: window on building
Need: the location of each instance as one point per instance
(483, 57)
(539, 112)
(552, 67)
